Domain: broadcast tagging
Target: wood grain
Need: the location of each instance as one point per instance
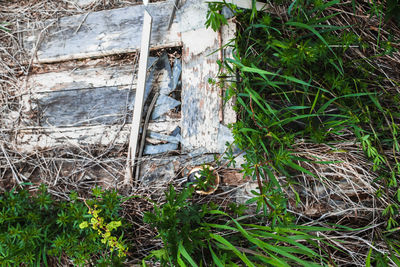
(102, 33)
(200, 99)
(39, 138)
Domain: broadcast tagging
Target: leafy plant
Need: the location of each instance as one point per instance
(203, 179)
(104, 230)
(35, 227)
(202, 235)
(178, 226)
(214, 17)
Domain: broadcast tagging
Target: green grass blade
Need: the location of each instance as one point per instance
(299, 168)
(268, 246)
(326, 5)
(225, 242)
(289, 240)
(368, 259)
(311, 29)
(182, 250)
(264, 72)
(215, 258)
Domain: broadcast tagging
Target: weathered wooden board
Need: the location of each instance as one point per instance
(28, 140)
(111, 31)
(200, 99)
(88, 105)
(88, 96)
(102, 33)
(104, 105)
(140, 95)
(85, 77)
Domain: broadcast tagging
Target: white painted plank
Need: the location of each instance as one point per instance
(139, 99)
(120, 76)
(200, 103)
(84, 78)
(33, 139)
(112, 31)
(201, 100)
(103, 33)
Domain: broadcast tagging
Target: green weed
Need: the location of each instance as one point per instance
(296, 81)
(35, 228)
(197, 235)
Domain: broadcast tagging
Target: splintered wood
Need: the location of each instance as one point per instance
(139, 100)
(201, 99)
(92, 106)
(102, 33)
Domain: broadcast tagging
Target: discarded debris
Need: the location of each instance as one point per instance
(158, 149)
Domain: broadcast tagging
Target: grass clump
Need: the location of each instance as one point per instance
(305, 72)
(203, 235)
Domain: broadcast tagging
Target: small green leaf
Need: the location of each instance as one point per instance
(83, 225)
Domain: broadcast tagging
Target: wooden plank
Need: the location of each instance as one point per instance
(112, 31)
(120, 76)
(200, 99)
(104, 105)
(103, 33)
(84, 77)
(139, 99)
(87, 96)
(200, 102)
(39, 138)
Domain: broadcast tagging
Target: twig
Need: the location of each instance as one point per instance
(15, 175)
(221, 89)
(80, 24)
(260, 186)
(144, 132)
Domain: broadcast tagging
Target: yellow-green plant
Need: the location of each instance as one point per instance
(104, 231)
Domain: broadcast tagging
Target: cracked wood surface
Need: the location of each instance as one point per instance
(88, 106)
(102, 33)
(104, 91)
(112, 31)
(31, 139)
(201, 128)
